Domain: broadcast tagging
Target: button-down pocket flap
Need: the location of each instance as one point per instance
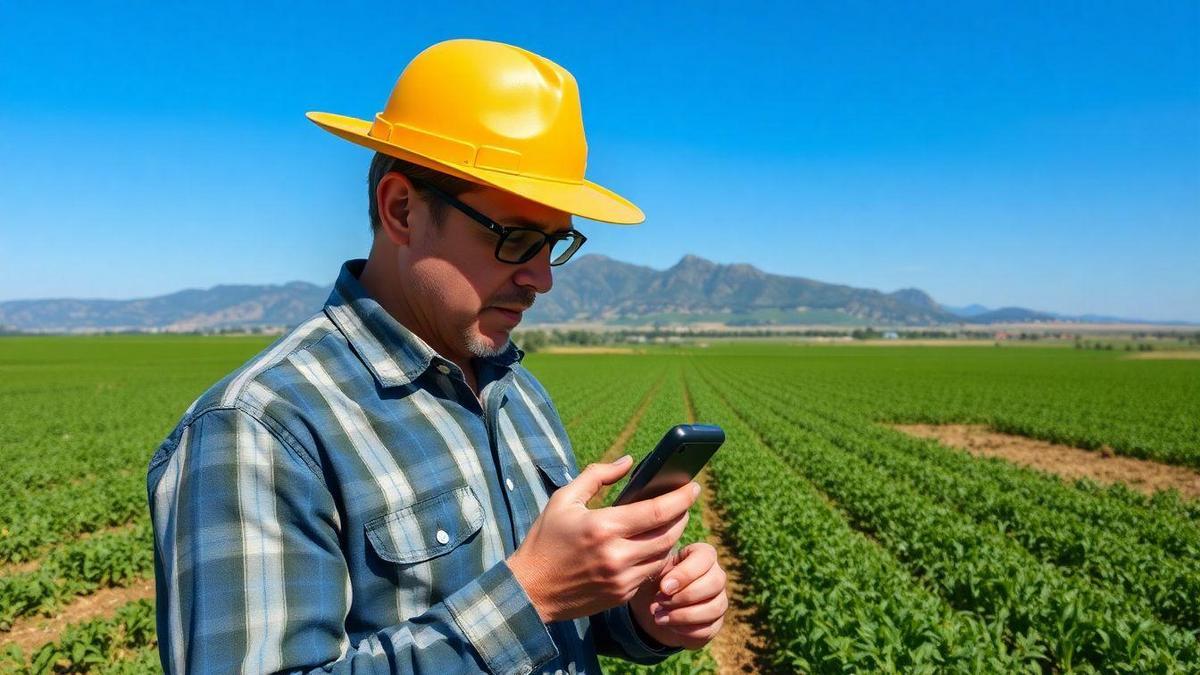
(553, 468)
(428, 528)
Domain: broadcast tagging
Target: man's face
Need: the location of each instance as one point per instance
(472, 301)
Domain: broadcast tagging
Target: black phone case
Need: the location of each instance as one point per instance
(675, 461)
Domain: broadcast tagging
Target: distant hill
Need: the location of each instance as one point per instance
(591, 289)
(1012, 315)
(226, 306)
(598, 288)
(980, 314)
(968, 311)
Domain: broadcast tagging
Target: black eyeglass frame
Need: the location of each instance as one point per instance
(577, 238)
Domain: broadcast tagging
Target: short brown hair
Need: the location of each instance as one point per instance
(382, 165)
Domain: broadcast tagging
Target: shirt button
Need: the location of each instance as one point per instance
(442, 537)
(509, 483)
(443, 369)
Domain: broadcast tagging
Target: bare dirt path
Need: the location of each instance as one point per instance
(22, 567)
(591, 350)
(1070, 463)
(740, 646)
(30, 633)
(1166, 355)
(618, 446)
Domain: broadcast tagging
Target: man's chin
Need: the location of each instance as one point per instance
(489, 344)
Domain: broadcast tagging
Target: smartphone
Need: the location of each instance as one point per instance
(675, 461)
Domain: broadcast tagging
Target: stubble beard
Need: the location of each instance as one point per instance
(478, 345)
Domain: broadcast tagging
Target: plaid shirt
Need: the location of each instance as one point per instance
(343, 503)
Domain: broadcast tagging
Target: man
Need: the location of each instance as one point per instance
(386, 488)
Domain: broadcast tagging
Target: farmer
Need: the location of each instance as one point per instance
(386, 488)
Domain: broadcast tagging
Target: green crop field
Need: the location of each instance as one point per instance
(860, 548)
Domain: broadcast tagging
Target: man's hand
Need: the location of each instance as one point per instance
(687, 607)
(576, 561)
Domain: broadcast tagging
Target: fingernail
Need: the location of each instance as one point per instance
(670, 585)
(695, 489)
(623, 459)
(660, 618)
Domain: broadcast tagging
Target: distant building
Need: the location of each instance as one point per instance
(891, 335)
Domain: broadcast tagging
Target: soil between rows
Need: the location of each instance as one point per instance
(1070, 463)
(740, 645)
(1168, 355)
(7, 569)
(618, 446)
(30, 633)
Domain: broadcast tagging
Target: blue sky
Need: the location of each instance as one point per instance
(1009, 153)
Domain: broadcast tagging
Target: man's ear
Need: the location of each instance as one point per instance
(394, 195)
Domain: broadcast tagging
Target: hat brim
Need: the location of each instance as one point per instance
(585, 199)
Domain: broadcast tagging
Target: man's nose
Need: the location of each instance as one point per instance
(535, 272)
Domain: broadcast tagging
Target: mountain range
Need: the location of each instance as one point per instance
(599, 289)
(592, 289)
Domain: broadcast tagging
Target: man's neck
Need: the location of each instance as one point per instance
(381, 284)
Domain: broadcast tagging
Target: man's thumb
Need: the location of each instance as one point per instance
(591, 479)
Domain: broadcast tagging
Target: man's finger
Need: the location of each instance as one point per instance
(651, 513)
(650, 545)
(708, 586)
(647, 569)
(592, 478)
(655, 533)
(705, 612)
(694, 561)
(696, 635)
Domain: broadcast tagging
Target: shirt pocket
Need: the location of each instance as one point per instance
(555, 473)
(427, 529)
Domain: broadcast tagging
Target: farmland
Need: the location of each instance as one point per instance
(859, 547)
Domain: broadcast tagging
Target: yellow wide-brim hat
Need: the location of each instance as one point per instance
(492, 114)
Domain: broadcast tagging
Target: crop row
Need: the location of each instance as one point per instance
(596, 422)
(975, 567)
(1165, 585)
(1156, 516)
(34, 522)
(124, 644)
(1143, 409)
(1163, 519)
(110, 559)
(833, 600)
(79, 419)
(597, 419)
(664, 410)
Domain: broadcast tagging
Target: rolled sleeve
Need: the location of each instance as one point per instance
(497, 616)
(617, 636)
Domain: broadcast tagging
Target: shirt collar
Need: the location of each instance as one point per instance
(395, 355)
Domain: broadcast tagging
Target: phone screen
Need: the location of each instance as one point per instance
(675, 461)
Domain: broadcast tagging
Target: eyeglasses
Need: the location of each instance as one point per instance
(517, 244)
